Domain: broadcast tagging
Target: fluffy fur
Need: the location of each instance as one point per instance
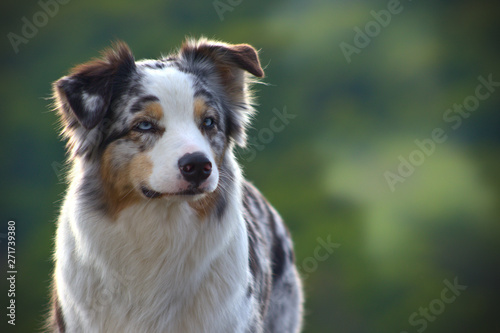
(147, 242)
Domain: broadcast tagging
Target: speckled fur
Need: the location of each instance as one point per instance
(216, 260)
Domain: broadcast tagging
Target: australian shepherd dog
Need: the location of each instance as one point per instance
(159, 232)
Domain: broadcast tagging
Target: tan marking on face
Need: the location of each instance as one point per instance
(200, 108)
(153, 110)
(133, 135)
(121, 182)
(140, 169)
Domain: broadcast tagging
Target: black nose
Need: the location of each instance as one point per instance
(195, 168)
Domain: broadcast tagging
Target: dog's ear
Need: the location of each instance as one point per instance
(225, 65)
(86, 93)
(227, 58)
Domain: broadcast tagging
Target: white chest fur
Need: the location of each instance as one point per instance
(157, 268)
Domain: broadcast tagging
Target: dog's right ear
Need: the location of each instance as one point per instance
(84, 96)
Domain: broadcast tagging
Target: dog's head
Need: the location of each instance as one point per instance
(158, 128)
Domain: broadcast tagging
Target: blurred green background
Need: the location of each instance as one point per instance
(392, 247)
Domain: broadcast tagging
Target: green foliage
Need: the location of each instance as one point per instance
(325, 171)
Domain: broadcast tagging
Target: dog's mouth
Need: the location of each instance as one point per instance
(151, 194)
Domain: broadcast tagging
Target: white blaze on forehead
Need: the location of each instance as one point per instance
(182, 135)
(174, 89)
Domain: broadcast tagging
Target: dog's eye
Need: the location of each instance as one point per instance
(145, 126)
(208, 123)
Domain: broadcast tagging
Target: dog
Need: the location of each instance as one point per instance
(159, 231)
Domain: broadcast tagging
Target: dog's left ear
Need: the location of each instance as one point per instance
(227, 58)
(225, 65)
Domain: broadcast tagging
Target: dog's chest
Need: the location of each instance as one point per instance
(134, 279)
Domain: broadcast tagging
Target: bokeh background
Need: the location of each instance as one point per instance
(389, 251)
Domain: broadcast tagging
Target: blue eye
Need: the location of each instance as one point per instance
(208, 122)
(144, 126)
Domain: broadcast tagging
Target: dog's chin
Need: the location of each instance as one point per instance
(189, 194)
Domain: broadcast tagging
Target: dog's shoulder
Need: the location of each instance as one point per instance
(270, 246)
